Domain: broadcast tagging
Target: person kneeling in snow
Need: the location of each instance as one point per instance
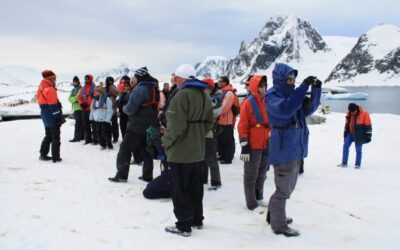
(254, 135)
(101, 112)
(358, 129)
(289, 138)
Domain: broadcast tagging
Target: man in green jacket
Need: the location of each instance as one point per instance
(189, 118)
(73, 99)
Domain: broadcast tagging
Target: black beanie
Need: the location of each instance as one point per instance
(75, 79)
(352, 107)
(109, 79)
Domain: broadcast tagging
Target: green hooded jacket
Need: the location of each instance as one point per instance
(73, 98)
(189, 118)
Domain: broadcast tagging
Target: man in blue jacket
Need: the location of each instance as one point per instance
(287, 108)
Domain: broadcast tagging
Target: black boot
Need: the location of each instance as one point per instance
(45, 158)
(288, 219)
(118, 179)
(289, 232)
(55, 160)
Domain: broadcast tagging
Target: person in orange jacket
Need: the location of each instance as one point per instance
(51, 114)
(358, 129)
(254, 136)
(85, 100)
(226, 120)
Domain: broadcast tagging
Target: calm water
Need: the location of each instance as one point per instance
(380, 100)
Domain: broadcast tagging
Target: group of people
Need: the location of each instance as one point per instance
(189, 127)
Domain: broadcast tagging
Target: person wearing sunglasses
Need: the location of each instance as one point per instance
(288, 144)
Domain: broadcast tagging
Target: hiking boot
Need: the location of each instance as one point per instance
(197, 226)
(45, 158)
(175, 230)
(357, 166)
(288, 219)
(289, 232)
(95, 143)
(262, 203)
(55, 160)
(103, 148)
(258, 210)
(87, 142)
(118, 179)
(214, 188)
(110, 147)
(74, 140)
(342, 165)
(115, 141)
(145, 179)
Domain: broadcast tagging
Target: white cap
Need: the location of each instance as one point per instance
(185, 71)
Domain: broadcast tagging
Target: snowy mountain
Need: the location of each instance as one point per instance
(282, 39)
(117, 73)
(374, 60)
(212, 66)
(19, 75)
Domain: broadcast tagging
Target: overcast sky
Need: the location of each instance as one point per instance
(81, 36)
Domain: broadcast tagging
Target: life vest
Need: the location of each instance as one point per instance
(257, 113)
(236, 104)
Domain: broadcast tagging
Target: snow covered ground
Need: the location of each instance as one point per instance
(72, 205)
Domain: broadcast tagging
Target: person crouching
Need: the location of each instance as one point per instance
(254, 136)
(101, 112)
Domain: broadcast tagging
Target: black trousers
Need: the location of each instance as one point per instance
(52, 137)
(86, 126)
(103, 130)
(130, 144)
(78, 133)
(123, 122)
(226, 143)
(115, 129)
(210, 161)
(187, 194)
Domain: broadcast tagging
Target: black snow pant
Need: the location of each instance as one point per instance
(94, 133)
(123, 122)
(187, 194)
(160, 187)
(212, 163)
(78, 133)
(86, 126)
(130, 144)
(226, 143)
(103, 130)
(52, 137)
(115, 129)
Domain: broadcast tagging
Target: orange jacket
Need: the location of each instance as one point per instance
(46, 93)
(226, 117)
(248, 128)
(85, 98)
(358, 124)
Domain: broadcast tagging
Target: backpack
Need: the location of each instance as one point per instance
(236, 104)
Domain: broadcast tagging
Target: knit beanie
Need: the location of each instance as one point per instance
(48, 74)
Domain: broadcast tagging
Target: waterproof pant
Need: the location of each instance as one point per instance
(94, 133)
(115, 131)
(212, 163)
(226, 143)
(285, 181)
(86, 126)
(347, 143)
(78, 133)
(130, 144)
(187, 194)
(160, 187)
(103, 130)
(52, 137)
(123, 122)
(255, 174)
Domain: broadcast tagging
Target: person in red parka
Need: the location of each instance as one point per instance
(254, 136)
(51, 114)
(85, 100)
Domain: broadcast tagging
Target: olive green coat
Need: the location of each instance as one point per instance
(189, 118)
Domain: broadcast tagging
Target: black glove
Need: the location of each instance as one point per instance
(306, 103)
(163, 119)
(245, 154)
(317, 83)
(84, 105)
(310, 80)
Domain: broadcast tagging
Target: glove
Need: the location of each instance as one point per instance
(245, 154)
(317, 83)
(84, 105)
(310, 80)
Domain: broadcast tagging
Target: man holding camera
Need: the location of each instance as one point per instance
(287, 108)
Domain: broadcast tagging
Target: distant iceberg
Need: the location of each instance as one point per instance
(347, 96)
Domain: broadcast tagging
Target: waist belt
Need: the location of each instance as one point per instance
(290, 125)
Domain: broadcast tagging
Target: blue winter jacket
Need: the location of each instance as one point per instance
(286, 116)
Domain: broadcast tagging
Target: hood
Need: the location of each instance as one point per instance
(45, 83)
(279, 75)
(228, 87)
(194, 83)
(90, 78)
(254, 82)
